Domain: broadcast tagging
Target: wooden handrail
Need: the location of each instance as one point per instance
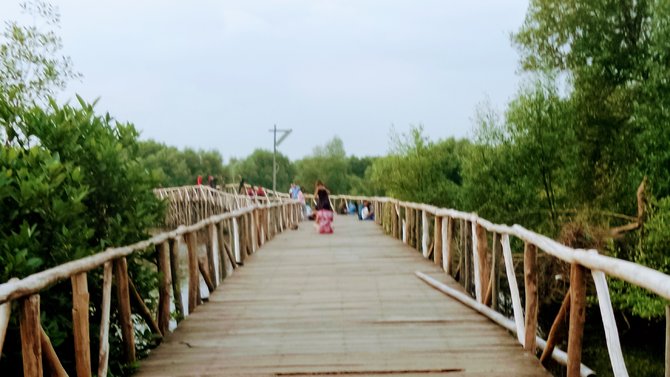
(641, 276)
(258, 222)
(406, 220)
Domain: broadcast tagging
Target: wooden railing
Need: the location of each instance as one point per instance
(239, 227)
(478, 268)
(189, 204)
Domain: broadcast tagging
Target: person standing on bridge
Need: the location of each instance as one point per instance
(324, 211)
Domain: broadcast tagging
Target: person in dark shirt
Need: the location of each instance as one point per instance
(324, 211)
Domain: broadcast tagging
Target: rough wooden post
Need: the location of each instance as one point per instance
(193, 274)
(236, 240)
(417, 230)
(252, 233)
(513, 288)
(437, 241)
(221, 246)
(210, 253)
(164, 274)
(577, 318)
(447, 244)
(31, 347)
(103, 356)
(530, 278)
(495, 270)
(123, 299)
(480, 239)
(209, 282)
(51, 364)
(394, 221)
(424, 234)
(465, 255)
(80, 326)
(174, 272)
(556, 330)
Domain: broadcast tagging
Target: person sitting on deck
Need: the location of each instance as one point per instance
(353, 208)
(366, 212)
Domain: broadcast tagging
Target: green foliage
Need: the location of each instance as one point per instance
(78, 190)
(521, 167)
(605, 49)
(172, 167)
(256, 169)
(615, 57)
(41, 199)
(31, 68)
(652, 252)
(327, 163)
(420, 170)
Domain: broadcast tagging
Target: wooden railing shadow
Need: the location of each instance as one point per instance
(239, 225)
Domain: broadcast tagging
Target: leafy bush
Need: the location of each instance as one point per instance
(79, 189)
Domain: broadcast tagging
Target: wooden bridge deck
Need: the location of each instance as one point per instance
(342, 304)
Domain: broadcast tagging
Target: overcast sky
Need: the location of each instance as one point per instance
(218, 74)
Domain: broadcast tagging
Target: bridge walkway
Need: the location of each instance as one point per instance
(343, 304)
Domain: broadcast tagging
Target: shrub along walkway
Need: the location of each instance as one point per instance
(343, 304)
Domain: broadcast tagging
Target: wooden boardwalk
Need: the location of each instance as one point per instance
(344, 304)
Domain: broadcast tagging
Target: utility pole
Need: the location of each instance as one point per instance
(284, 135)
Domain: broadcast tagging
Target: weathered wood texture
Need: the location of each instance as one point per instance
(31, 346)
(123, 302)
(347, 303)
(80, 326)
(103, 354)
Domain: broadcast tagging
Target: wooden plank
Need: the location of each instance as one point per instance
(476, 266)
(142, 309)
(424, 234)
(123, 302)
(609, 323)
(80, 326)
(236, 241)
(31, 346)
(103, 355)
(50, 362)
(209, 282)
(438, 240)
(193, 275)
(577, 318)
(417, 230)
(221, 249)
(173, 243)
(405, 226)
(447, 244)
(253, 236)
(482, 258)
(557, 329)
(464, 255)
(495, 270)
(342, 304)
(514, 289)
(164, 285)
(532, 301)
(210, 254)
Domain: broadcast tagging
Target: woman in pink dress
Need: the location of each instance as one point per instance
(324, 211)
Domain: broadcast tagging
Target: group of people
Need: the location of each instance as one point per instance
(211, 181)
(323, 216)
(364, 211)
